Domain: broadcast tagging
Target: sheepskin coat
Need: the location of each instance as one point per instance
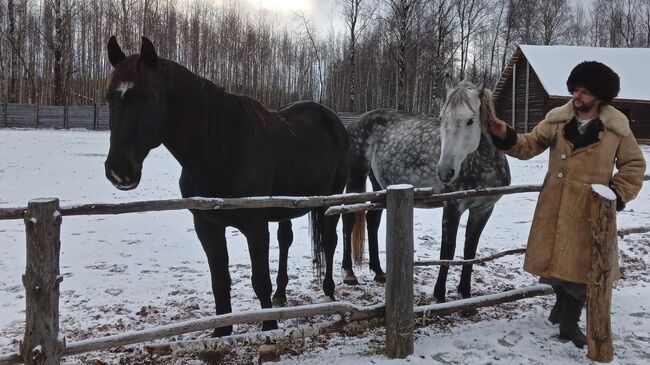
(559, 244)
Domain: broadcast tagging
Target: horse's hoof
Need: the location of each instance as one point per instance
(350, 279)
(380, 278)
(222, 331)
(329, 299)
(269, 325)
(469, 312)
(279, 301)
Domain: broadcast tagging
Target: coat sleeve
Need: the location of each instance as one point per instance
(528, 145)
(631, 165)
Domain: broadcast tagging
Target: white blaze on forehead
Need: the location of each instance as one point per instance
(124, 86)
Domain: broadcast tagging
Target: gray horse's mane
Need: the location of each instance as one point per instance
(461, 96)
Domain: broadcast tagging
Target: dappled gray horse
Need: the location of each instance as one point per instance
(454, 152)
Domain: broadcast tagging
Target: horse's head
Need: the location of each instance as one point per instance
(463, 118)
(137, 111)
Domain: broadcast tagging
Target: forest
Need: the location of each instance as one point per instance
(387, 54)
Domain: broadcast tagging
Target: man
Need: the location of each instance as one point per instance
(586, 137)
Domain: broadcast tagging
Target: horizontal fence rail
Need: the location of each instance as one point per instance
(472, 261)
(354, 313)
(422, 195)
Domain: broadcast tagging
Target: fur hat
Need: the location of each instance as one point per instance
(596, 77)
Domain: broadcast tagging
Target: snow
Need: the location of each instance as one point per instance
(604, 191)
(629, 63)
(399, 187)
(138, 271)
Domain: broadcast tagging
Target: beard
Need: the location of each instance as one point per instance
(585, 107)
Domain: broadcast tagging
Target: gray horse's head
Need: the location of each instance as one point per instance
(463, 118)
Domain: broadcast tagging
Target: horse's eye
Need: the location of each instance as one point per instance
(470, 122)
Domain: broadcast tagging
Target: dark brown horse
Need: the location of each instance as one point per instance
(228, 146)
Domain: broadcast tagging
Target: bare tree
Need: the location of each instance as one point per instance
(402, 18)
(645, 21)
(357, 14)
(471, 14)
(527, 20)
(555, 16)
(13, 68)
(578, 29)
(309, 32)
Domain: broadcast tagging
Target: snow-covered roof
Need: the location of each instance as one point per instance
(553, 64)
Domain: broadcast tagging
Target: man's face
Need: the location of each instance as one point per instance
(583, 100)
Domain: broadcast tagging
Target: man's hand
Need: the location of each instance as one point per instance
(498, 128)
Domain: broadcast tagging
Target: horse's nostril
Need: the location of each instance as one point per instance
(450, 174)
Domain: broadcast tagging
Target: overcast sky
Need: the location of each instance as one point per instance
(327, 13)
(324, 14)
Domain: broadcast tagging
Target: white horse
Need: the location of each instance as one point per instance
(454, 152)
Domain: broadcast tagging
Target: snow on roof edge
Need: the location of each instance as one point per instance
(553, 64)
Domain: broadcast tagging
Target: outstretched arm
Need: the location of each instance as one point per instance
(522, 146)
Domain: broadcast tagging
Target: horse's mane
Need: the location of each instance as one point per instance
(258, 116)
(460, 96)
(488, 111)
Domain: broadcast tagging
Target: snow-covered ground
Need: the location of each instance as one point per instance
(136, 271)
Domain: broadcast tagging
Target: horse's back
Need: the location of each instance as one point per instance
(397, 147)
(307, 146)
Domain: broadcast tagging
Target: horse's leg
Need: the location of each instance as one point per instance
(329, 244)
(475, 224)
(450, 219)
(285, 238)
(213, 240)
(348, 273)
(257, 235)
(353, 228)
(373, 218)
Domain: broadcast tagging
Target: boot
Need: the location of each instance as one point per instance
(556, 312)
(569, 318)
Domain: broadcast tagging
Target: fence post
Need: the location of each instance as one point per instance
(399, 271)
(42, 343)
(604, 251)
(66, 124)
(4, 115)
(95, 123)
(37, 111)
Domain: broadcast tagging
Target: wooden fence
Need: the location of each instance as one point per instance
(56, 117)
(65, 117)
(44, 344)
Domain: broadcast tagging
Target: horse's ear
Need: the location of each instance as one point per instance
(480, 87)
(148, 53)
(448, 85)
(115, 54)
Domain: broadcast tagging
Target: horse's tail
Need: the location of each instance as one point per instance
(358, 174)
(358, 237)
(316, 227)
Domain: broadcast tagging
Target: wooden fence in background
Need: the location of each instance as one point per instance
(56, 117)
(65, 117)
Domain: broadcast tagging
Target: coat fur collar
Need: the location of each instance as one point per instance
(612, 119)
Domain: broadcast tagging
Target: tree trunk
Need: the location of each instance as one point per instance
(13, 68)
(59, 97)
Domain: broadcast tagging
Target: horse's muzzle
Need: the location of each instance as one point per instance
(446, 175)
(121, 179)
